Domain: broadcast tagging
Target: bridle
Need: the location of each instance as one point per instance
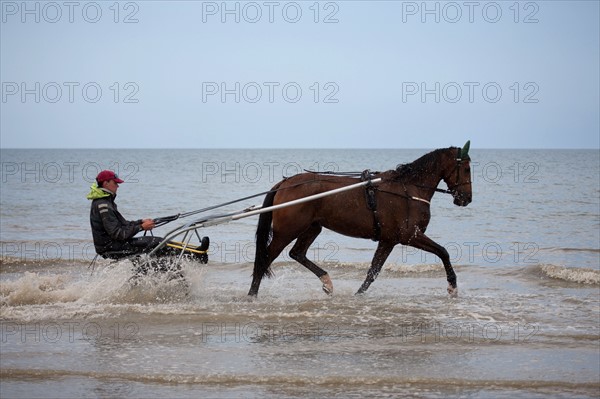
(459, 161)
(452, 189)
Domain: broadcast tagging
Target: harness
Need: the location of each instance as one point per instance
(370, 193)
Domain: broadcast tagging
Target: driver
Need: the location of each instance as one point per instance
(113, 234)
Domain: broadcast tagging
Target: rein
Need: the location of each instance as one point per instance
(167, 219)
(364, 175)
(438, 190)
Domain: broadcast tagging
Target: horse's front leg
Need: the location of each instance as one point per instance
(421, 241)
(381, 254)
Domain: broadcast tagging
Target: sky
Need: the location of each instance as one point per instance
(299, 74)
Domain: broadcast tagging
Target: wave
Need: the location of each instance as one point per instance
(572, 275)
(335, 382)
(571, 249)
(581, 276)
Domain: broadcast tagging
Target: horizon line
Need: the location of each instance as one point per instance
(290, 148)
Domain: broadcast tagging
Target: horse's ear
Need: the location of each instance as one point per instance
(464, 153)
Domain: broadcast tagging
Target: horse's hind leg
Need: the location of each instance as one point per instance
(299, 250)
(381, 254)
(276, 246)
(421, 241)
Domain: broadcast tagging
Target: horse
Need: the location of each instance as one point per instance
(393, 211)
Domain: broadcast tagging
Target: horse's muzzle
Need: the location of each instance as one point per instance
(462, 199)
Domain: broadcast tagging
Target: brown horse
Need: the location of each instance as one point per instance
(395, 211)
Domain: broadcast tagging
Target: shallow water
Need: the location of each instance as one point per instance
(526, 322)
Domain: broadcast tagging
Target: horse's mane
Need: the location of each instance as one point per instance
(426, 164)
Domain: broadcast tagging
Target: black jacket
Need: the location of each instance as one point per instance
(108, 225)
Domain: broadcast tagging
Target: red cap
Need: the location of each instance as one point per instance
(107, 175)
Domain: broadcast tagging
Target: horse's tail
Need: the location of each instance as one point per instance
(264, 233)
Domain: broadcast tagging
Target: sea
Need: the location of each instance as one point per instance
(525, 324)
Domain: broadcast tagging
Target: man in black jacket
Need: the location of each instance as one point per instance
(113, 234)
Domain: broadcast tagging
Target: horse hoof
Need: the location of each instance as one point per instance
(327, 284)
(453, 291)
(246, 299)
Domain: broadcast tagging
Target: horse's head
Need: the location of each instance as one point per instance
(458, 175)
